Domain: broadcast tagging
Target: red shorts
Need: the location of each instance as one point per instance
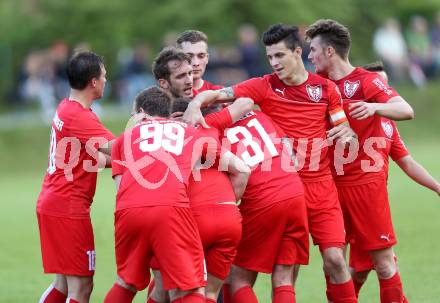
(360, 259)
(170, 234)
(326, 222)
(220, 231)
(274, 234)
(67, 245)
(367, 215)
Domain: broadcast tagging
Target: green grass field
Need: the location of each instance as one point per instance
(24, 152)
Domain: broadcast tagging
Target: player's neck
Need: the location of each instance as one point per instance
(82, 97)
(297, 78)
(340, 69)
(198, 83)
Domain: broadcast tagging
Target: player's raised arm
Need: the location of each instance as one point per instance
(418, 173)
(240, 107)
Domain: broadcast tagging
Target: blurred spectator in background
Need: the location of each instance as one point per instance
(38, 75)
(390, 46)
(435, 41)
(419, 45)
(305, 48)
(251, 57)
(134, 73)
(59, 54)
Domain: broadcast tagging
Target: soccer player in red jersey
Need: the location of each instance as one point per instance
(195, 44)
(362, 184)
(174, 73)
(304, 104)
(360, 260)
(63, 207)
(154, 159)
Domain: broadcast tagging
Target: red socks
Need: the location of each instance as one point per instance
(244, 295)
(284, 294)
(342, 293)
(191, 298)
(227, 293)
(391, 289)
(69, 300)
(210, 301)
(327, 291)
(53, 295)
(119, 294)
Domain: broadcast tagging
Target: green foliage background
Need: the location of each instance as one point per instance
(109, 25)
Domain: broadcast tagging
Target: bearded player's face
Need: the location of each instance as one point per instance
(284, 61)
(180, 83)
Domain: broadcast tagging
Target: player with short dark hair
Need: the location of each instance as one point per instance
(303, 104)
(173, 72)
(195, 44)
(362, 188)
(63, 207)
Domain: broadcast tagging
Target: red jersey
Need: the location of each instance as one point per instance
(70, 182)
(155, 159)
(211, 186)
(362, 85)
(304, 112)
(257, 141)
(395, 148)
(208, 86)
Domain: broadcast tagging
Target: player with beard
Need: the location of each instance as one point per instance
(361, 186)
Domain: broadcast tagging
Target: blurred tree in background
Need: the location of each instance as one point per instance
(109, 25)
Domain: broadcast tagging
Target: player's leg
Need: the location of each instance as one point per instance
(282, 284)
(242, 281)
(360, 265)
(121, 292)
(196, 295)
(389, 278)
(79, 288)
(56, 292)
(212, 288)
(326, 226)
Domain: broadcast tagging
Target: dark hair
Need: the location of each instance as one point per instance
(179, 105)
(154, 101)
(83, 67)
(374, 66)
(160, 64)
(192, 36)
(331, 33)
(282, 32)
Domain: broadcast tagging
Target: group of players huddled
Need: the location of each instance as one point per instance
(313, 159)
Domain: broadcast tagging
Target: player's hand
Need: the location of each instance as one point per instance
(362, 110)
(193, 115)
(341, 132)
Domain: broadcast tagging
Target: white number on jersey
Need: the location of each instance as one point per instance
(92, 258)
(169, 136)
(52, 152)
(248, 142)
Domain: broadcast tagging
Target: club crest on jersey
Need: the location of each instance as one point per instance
(314, 92)
(387, 128)
(350, 88)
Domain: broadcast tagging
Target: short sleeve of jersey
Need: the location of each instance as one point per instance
(398, 149)
(87, 125)
(335, 109)
(219, 120)
(377, 90)
(255, 88)
(117, 152)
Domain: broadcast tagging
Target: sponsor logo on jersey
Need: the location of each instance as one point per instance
(350, 88)
(382, 86)
(387, 128)
(314, 92)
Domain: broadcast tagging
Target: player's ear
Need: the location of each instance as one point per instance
(298, 50)
(163, 83)
(329, 51)
(93, 82)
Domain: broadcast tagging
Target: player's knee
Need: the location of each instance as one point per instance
(282, 275)
(385, 269)
(334, 262)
